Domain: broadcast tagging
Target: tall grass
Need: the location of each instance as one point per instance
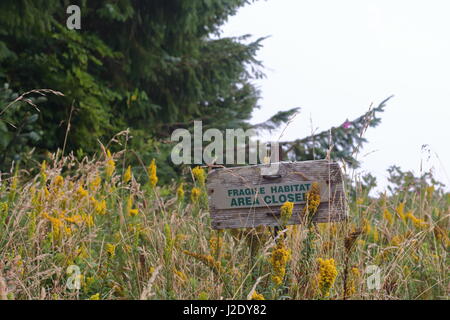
(132, 240)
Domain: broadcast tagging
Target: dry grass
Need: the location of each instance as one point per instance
(159, 244)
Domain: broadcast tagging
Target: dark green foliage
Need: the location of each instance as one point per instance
(19, 127)
(147, 66)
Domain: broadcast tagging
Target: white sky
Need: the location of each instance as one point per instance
(334, 58)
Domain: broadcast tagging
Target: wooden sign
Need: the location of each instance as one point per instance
(244, 197)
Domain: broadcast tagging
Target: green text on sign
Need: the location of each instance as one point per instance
(265, 195)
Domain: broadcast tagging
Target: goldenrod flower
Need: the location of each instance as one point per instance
(367, 228)
(110, 164)
(168, 249)
(400, 211)
(203, 296)
(351, 284)
(95, 297)
(418, 223)
(127, 175)
(95, 183)
(180, 192)
(375, 235)
(81, 192)
(3, 207)
(312, 201)
(43, 173)
(100, 207)
(130, 210)
(56, 224)
(180, 275)
(67, 231)
(279, 259)
(388, 216)
(199, 175)
(88, 219)
(152, 173)
(195, 194)
(82, 252)
(215, 244)
(58, 181)
(110, 250)
(208, 260)
(396, 240)
(257, 296)
(77, 219)
(355, 272)
(286, 212)
(327, 275)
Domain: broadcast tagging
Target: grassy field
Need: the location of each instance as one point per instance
(89, 230)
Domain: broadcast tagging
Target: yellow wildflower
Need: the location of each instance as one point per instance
(355, 272)
(95, 297)
(89, 281)
(367, 228)
(375, 235)
(110, 164)
(180, 192)
(43, 169)
(279, 259)
(130, 210)
(58, 181)
(257, 296)
(127, 175)
(195, 194)
(215, 244)
(401, 211)
(88, 219)
(286, 212)
(82, 252)
(56, 223)
(203, 296)
(199, 175)
(388, 216)
(152, 173)
(208, 260)
(3, 207)
(396, 240)
(312, 201)
(327, 275)
(67, 231)
(81, 192)
(100, 207)
(110, 250)
(180, 275)
(418, 223)
(95, 183)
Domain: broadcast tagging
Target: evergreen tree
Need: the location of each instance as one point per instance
(151, 66)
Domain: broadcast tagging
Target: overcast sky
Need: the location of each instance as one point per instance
(334, 58)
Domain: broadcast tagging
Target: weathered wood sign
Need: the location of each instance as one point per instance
(244, 197)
